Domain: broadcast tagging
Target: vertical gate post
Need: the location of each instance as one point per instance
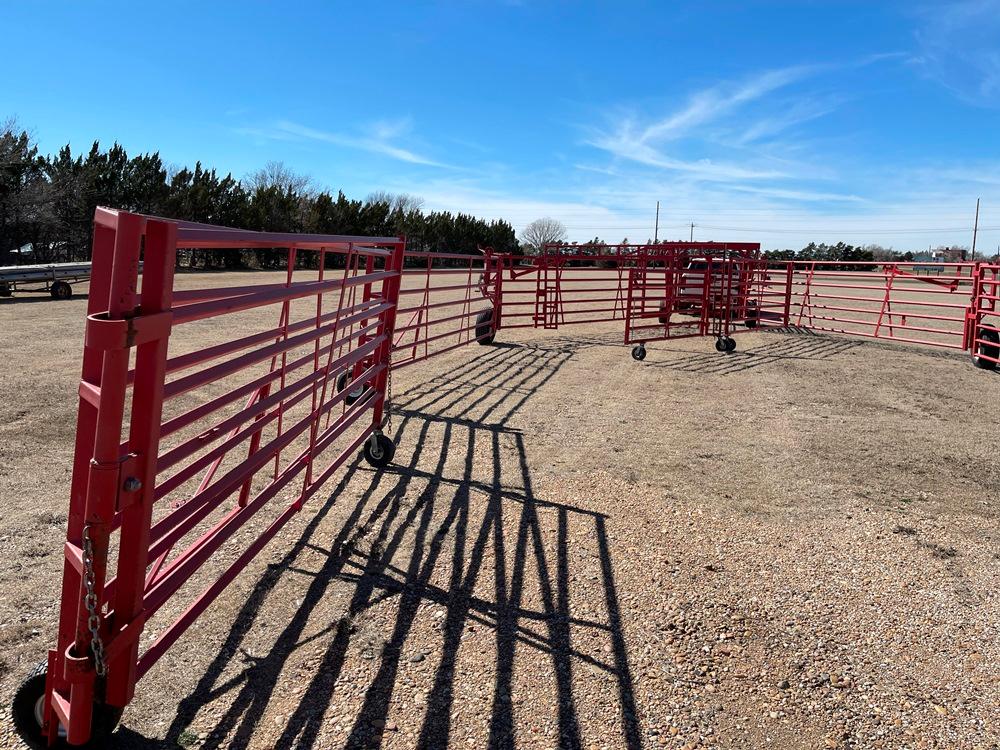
(102, 255)
(97, 472)
(973, 312)
(632, 281)
(495, 266)
(139, 472)
(789, 274)
(390, 294)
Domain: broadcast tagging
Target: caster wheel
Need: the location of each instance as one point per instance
(987, 349)
(639, 353)
(354, 395)
(484, 328)
(730, 345)
(720, 345)
(379, 450)
(27, 710)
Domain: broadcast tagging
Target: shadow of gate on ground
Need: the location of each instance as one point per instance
(471, 503)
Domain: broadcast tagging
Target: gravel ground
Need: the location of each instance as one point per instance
(794, 546)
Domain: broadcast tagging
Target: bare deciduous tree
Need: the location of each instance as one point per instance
(277, 174)
(402, 202)
(542, 232)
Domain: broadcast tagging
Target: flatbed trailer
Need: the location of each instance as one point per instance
(53, 278)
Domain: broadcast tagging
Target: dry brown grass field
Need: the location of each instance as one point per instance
(795, 545)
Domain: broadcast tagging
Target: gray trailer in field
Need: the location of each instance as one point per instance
(53, 278)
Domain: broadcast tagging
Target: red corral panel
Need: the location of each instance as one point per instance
(553, 290)
(984, 329)
(228, 402)
(447, 300)
(691, 290)
(912, 303)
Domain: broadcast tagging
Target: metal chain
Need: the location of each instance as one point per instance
(90, 602)
(388, 397)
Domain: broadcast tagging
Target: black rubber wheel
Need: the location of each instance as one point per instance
(354, 395)
(730, 345)
(720, 345)
(26, 713)
(61, 290)
(484, 328)
(987, 350)
(639, 353)
(379, 455)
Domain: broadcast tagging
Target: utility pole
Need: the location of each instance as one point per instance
(656, 231)
(975, 231)
(692, 232)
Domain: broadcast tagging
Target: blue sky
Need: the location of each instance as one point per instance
(776, 122)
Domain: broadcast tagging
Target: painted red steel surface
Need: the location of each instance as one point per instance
(575, 284)
(984, 327)
(443, 298)
(695, 289)
(656, 293)
(178, 451)
(912, 303)
(652, 289)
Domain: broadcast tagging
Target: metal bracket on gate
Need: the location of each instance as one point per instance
(115, 479)
(107, 335)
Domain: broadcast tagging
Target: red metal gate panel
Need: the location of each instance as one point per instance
(687, 289)
(912, 303)
(447, 300)
(984, 328)
(564, 288)
(219, 430)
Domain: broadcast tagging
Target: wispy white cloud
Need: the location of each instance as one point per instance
(812, 196)
(625, 146)
(740, 120)
(797, 113)
(709, 105)
(959, 45)
(381, 138)
(647, 143)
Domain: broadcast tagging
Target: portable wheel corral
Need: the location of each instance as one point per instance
(203, 409)
(53, 278)
(677, 290)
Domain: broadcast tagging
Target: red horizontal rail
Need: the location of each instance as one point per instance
(212, 308)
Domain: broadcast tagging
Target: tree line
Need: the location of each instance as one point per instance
(47, 204)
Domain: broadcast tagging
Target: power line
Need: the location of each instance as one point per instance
(844, 230)
(774, 230)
